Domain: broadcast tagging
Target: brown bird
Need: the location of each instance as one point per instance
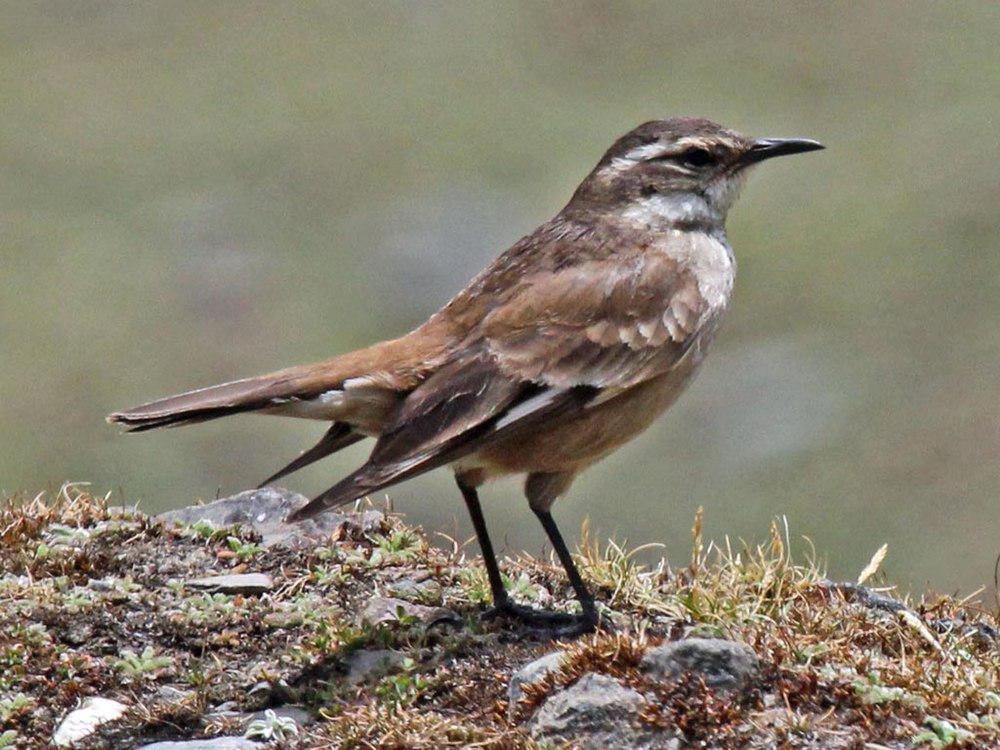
(570, 344)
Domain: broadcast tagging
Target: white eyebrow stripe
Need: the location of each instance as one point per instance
(640, 153)
(693, 141)
(622, 163)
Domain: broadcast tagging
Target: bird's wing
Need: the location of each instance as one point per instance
(561, 340)
(465, 405)
(601, 323)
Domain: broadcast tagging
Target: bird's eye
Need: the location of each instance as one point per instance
(697, 157)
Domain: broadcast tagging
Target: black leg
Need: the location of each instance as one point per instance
(500, 597)
(590, 617)
(502, 604)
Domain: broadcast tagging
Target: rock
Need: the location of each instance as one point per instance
(266, 694)
(82, 721)
(366, 664)
(215, 743)
(259, 695)
(723, 664)
(531, 672)
(423, 592)
(386, 609)
(265, 510)
(78, 632)
(597, 713)
(224, 712)
(169, 695)
(238, 583)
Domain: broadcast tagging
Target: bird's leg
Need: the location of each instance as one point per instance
(471, 496)
(502, 603)
(589, 618)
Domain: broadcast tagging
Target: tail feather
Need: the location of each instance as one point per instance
(203, 404)
(397, 365)
(340, 435)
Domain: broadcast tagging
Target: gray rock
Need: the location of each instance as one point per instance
(265, 510)
(215, 743)
(238, 583)
(78, 633)
(169, 695)
(386, 609)
(598, 713)
(531, 672)
(228, 711)
(83, 721)
(367, 664)
(259, 695)
(723, 664)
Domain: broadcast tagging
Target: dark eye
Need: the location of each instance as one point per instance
(697, 157)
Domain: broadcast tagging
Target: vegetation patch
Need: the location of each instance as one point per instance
(95, 601)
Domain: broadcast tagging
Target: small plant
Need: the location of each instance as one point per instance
(76, 600)
(142, 665)
(872, 692)
(335, 636)
(327, 554)
(475, 585)
(400, 546)
(208, 531)
(243, 550)
(941, 734)
(36, 635)
(521, 587)
(334, 576)
(73, 664)
(204, 528)
(63, 536)
(126, 586)
(10, 707)
(403, 688)
(272, 727)
(207, 608)
(7, 739)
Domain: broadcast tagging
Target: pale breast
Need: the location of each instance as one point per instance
(709, 257)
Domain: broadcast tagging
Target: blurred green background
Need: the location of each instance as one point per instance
(198, 191)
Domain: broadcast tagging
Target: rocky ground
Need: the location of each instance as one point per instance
(218, 626)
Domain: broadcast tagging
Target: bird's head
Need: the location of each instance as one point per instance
(684, 171)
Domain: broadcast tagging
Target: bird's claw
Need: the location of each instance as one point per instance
(550, 624)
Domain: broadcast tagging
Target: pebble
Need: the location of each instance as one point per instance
(83, 721)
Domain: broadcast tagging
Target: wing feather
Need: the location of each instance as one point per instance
(603, 323)
(543, 350)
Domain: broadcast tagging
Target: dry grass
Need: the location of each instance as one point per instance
(842, 666)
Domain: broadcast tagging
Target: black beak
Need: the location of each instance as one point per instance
(767, 148)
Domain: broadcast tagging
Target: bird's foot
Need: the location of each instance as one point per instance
(551, 624)
(528, 615)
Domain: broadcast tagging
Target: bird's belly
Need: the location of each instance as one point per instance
(571, 446)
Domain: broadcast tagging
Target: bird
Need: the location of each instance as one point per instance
(571, 343)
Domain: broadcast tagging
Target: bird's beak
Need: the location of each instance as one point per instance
(767, 148)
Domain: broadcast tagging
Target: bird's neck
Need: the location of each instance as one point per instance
(686, 211)
(656, 213)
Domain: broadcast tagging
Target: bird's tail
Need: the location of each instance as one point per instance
(250, 394)
(382, 370)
